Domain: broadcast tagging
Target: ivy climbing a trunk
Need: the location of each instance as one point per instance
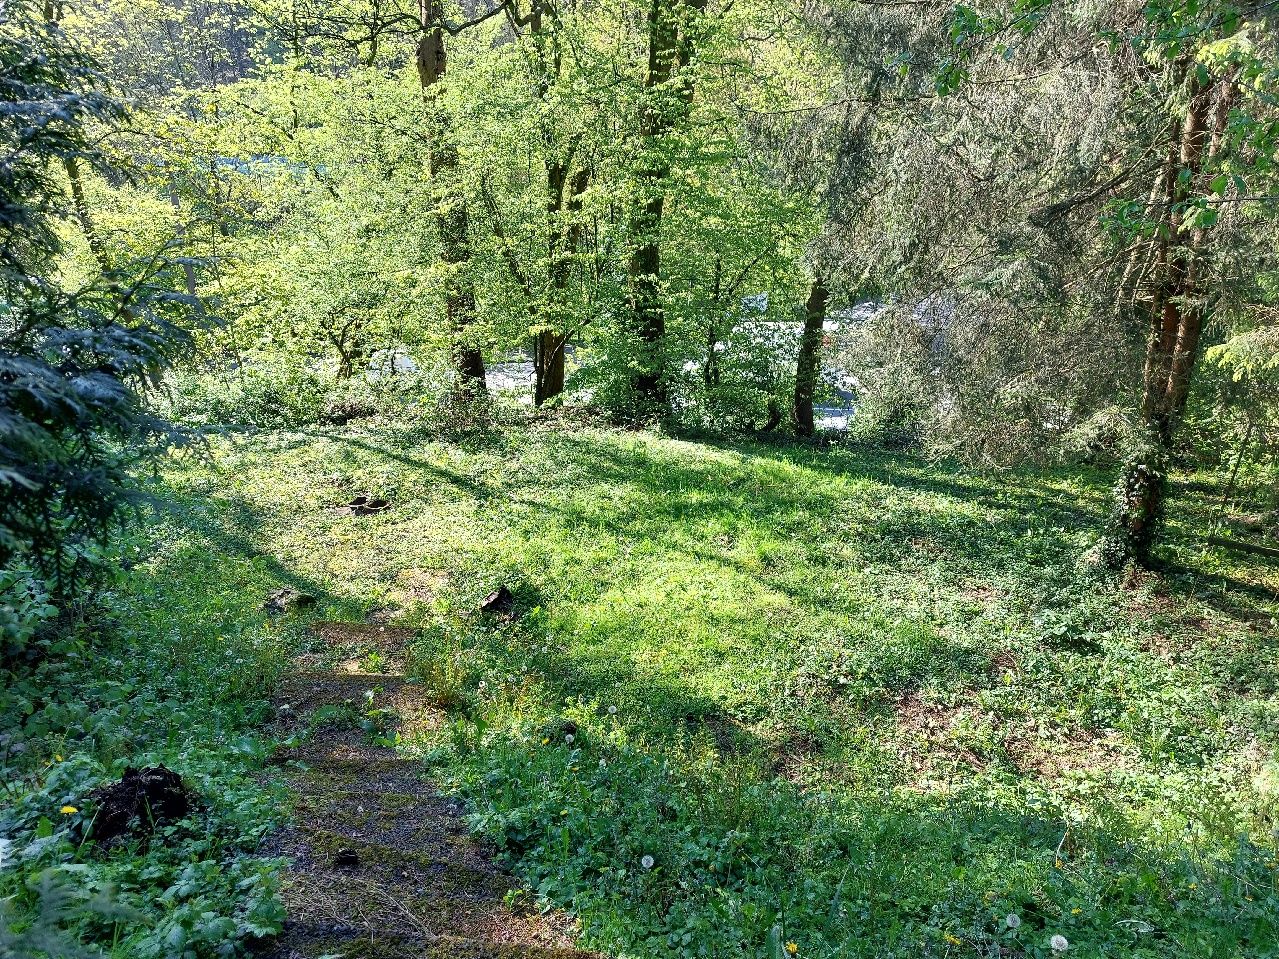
(1168, 285)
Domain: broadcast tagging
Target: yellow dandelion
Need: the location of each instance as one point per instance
(68, 810)
(1194, 885)
(1076, 911)
(545, 740)
(792, 948)
(57, 758)
(1057, 863)
(954, 940)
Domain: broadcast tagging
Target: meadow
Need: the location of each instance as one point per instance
(757, 698)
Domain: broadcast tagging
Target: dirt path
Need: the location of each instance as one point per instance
(383, 866)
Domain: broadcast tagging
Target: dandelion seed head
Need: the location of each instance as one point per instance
(1012, 920)
(1059, 943)
(647, 862)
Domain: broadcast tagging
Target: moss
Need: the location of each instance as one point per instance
(449, 879)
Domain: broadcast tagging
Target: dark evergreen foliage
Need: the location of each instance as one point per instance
(73, 362)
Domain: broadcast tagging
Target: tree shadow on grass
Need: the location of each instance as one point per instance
(232, 529)
(900, 856)
(672, 494)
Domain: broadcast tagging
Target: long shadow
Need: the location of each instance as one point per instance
(676, 494)
(234, 537)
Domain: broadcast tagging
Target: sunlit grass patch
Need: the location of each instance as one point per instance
(869, 699)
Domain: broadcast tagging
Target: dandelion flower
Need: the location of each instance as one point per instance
(57, 758)
(68, 810)
(953, 940)
(647, 862)
(1059, 943)
(1076, 911)
(792, 947)
(545, 740)
(1012, 920)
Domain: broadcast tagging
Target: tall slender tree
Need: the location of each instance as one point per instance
(673, 30)
(452, 214)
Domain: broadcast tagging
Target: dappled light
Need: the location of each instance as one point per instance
(681, 479)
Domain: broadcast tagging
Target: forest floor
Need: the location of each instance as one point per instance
(744, 699)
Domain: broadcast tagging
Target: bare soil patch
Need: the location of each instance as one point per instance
(382, 865)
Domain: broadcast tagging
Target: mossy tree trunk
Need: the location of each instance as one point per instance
(1169, 289)
(808, 364)
(673, 27)
(452, 217)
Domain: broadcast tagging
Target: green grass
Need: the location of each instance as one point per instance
(172, 665)
(869, 702)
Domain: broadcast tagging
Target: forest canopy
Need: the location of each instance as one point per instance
(1024, 231)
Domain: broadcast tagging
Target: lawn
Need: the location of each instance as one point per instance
(756, 699)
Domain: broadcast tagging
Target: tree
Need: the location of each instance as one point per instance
(73, 361)
(452, 214)
(806, 366)
(1199, 121)
(1216, 147)
(1066, 216)
(673, 29)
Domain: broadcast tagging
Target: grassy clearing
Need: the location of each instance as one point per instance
(866, 699)
(865, 702)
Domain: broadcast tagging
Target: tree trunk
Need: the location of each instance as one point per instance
(1176, 307)
(670, 49)
(710, 369)
(452, 217)
(81, 207)
(809, 361)
(548, 347)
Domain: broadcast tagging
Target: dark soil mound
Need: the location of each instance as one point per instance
(140, 801)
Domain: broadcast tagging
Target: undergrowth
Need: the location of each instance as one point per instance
(749, 699)
(170, 670)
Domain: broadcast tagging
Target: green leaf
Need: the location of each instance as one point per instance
(773, 945)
